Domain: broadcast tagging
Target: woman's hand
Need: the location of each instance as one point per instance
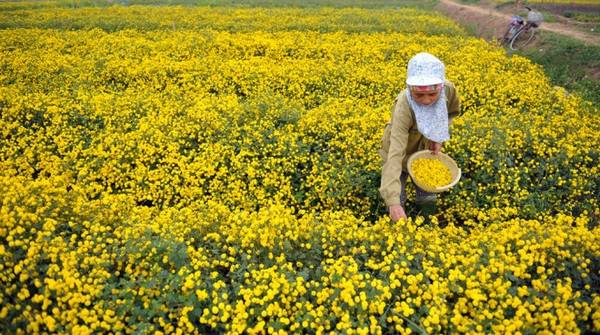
(435, 147)
(397, 213)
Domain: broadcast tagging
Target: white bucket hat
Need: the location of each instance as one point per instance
(425, 69)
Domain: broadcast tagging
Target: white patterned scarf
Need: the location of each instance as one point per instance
(432, 120)
(423, 71)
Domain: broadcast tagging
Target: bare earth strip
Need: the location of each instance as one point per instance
(490, 23)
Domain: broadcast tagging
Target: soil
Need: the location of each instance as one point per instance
(490, 22)
(593, 73)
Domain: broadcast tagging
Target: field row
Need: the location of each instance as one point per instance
(173, 118)
(116, 18)
(71, 264)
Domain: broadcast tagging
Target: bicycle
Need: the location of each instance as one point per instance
(521, 32)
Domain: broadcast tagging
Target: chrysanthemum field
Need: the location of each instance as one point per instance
(169, 169)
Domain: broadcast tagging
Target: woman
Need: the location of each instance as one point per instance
(420, 120)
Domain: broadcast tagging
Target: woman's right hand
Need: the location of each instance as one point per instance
(397, 213)
(435, 147)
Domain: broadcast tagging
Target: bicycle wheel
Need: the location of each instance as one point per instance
(522, 38)
(508, 35)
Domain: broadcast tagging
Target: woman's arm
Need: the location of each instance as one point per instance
(453, 101)
(391, 187)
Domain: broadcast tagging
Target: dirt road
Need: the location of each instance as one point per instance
(490, 23)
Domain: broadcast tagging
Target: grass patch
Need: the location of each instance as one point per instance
(569, 63)
(591, 21)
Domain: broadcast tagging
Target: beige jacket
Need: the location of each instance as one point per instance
(401, 139)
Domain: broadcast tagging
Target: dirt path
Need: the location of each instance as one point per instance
(490, 23)
(565, 29)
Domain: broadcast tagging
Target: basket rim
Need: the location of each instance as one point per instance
(447, 159)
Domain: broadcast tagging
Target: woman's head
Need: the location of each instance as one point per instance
(426, 94)
(425, 78)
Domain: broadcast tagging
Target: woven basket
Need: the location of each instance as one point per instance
(445, 159)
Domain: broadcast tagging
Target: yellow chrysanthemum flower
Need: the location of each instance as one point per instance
(431, 172)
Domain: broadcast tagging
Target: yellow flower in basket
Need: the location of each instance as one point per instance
(433, 173)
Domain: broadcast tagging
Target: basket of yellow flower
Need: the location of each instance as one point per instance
(433, 173)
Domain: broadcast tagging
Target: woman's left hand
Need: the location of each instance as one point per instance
(435, 147)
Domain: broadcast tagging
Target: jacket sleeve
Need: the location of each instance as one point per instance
(453, 101)
(390, 175)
